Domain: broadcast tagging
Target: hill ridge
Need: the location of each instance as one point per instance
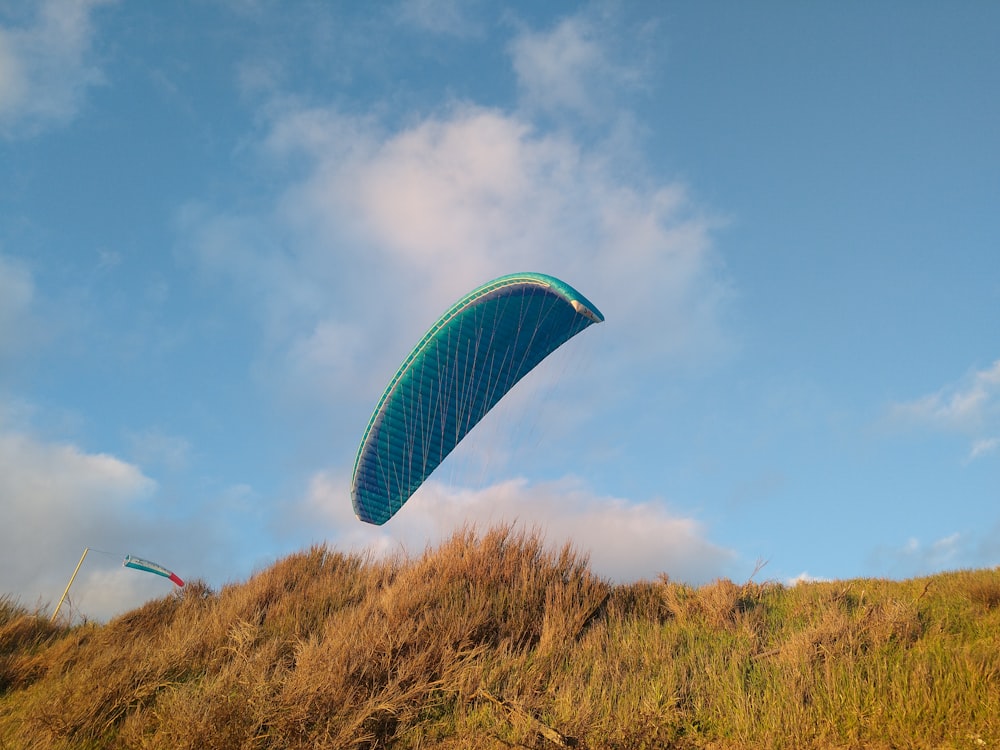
(494, 639)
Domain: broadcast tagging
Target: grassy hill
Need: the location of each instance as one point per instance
(498, 641)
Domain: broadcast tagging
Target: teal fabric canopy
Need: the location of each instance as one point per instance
(474, 354)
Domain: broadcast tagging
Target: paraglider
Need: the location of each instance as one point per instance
(473, 355)
(138, 563)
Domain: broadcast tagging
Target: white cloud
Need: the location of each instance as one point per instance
(962, 406)
(569, 69)
(625, 540)
(390, 228)
(552, 67)
(376, 231)
(58, 500)
(46, 66)
(983, 447)
(970, 407)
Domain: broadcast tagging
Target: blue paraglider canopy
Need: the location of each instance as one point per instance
(473, 355)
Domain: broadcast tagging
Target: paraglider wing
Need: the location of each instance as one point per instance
(150, 567)
(474, 354)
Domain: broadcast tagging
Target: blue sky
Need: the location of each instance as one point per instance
(224, 224)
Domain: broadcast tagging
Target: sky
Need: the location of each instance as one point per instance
(224, 224)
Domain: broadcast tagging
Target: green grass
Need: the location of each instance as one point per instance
(495, 640)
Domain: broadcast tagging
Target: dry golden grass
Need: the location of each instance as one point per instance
(495, 640)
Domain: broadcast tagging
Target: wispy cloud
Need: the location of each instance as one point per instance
(154, 448)
(964, 405)
(575, 69)
(917, 557)
(625, 540)
(982, 447)
(17, 291)
(46, 66)
(970, 407)
(447, 17)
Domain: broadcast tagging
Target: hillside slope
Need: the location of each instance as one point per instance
(496, 640)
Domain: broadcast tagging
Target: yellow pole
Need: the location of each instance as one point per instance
(71, 579)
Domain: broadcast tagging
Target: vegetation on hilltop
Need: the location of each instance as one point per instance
(495, 640)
